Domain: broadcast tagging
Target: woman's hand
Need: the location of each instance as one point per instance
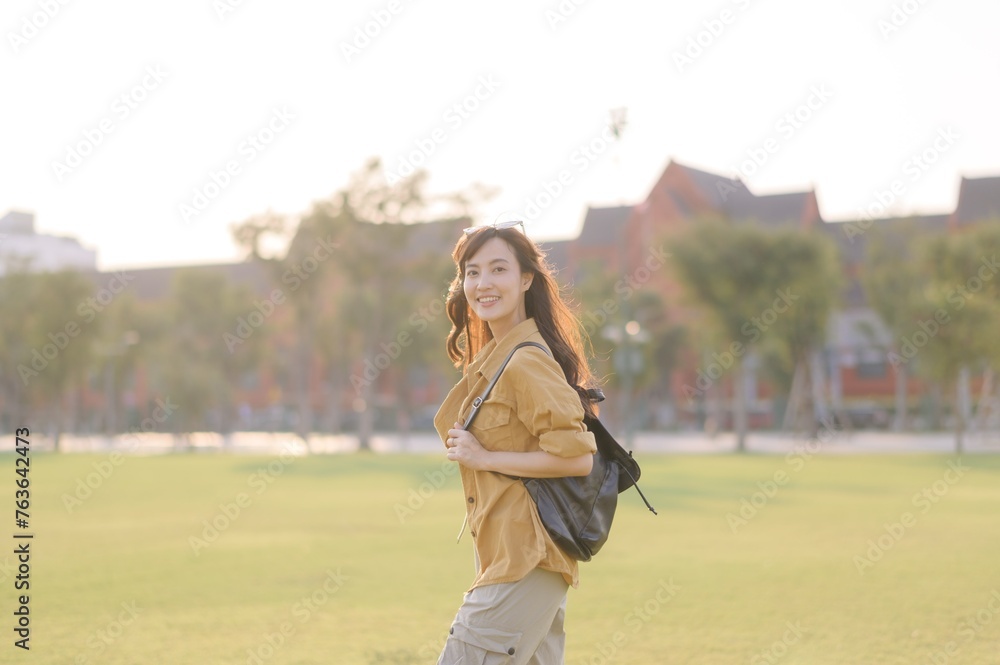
(465, 449)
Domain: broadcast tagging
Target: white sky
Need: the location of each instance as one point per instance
(225, 77)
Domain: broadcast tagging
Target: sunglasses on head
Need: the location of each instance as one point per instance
(497, 225)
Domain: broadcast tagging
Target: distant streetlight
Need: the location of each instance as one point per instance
(129, 338)
(628, 361)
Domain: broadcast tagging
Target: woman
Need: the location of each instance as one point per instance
(530, 426)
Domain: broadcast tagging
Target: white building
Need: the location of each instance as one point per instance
(21, 246)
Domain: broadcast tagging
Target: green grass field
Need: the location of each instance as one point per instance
(324, 563)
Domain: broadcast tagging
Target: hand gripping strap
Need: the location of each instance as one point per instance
(478, 402)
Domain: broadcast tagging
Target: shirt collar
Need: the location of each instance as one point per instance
(494, 353)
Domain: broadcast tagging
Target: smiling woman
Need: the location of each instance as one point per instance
(531, 426)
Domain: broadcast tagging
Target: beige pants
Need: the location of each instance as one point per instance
(518, 623)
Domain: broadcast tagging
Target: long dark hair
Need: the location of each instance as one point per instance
(543, 301)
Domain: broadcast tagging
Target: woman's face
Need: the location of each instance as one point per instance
(495, 286)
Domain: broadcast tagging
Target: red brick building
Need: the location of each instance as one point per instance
(861, 380)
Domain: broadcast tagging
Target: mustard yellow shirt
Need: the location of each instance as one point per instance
(531, 408)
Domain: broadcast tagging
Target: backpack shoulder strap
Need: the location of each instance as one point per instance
(478, 402)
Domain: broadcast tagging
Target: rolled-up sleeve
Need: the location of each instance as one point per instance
(549, 408)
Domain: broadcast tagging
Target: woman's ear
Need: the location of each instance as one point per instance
(526, 280)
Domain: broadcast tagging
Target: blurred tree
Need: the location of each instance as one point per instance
(895, 286)
(385, 270)
(987, 236)
(17, 294)
(300, 275)
(121, 332)
(203, 369)
(956, 332)
(807, 276)
(755, 284)
(724, 269)
(45, 347)
(426, 325)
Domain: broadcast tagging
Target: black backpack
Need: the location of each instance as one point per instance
(578, 511)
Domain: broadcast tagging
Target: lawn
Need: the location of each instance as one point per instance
(352, 560)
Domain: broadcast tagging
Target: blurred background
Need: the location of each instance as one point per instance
(223, 220)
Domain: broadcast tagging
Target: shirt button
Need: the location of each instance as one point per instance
(510, 651)
(471, 500)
